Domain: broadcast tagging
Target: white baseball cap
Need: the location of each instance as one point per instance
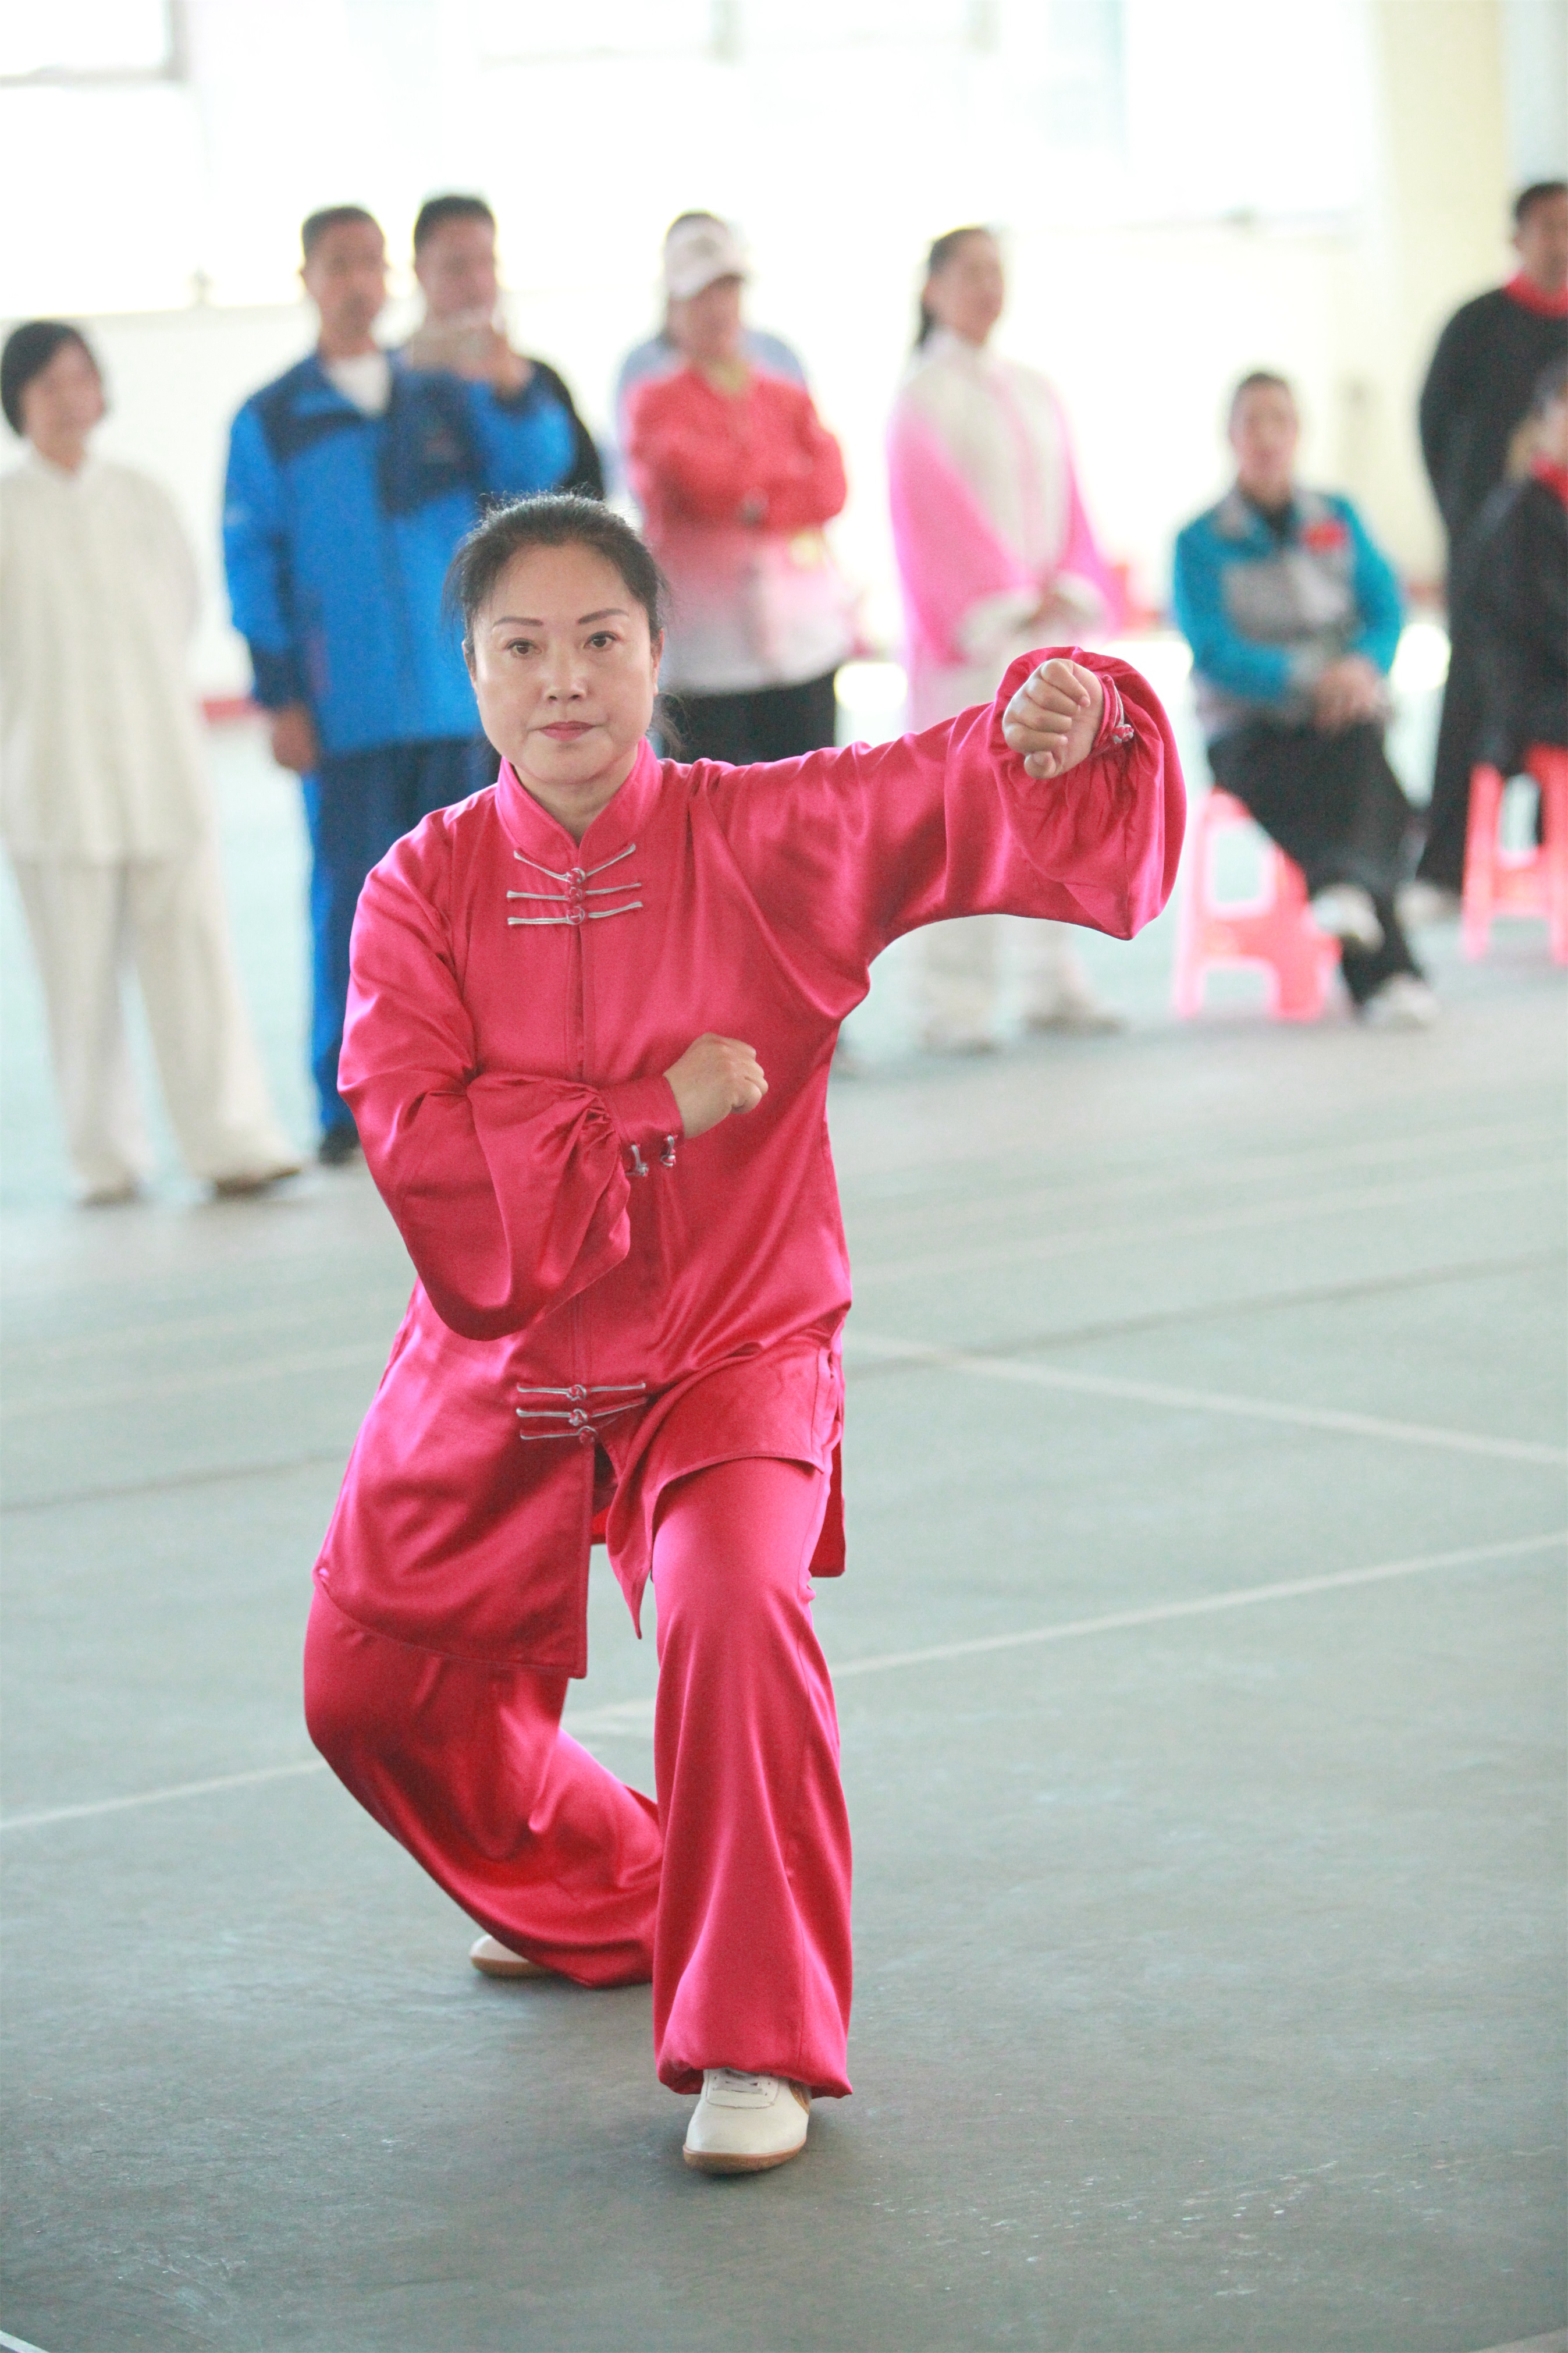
(699, 252)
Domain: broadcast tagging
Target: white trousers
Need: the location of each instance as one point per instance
(165, 916)
(958, 974)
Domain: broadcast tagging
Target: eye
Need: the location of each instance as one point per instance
(602, 637)
(519, 646)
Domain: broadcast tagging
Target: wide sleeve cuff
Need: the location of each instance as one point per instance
(646, 1115)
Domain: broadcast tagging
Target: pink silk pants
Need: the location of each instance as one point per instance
(732, 1894)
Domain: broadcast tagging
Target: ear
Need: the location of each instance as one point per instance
(656, 652)
(468, 655)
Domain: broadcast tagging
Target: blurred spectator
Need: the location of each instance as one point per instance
(1294, 616)
(106, 810)
(736, 476)
(662, 355)
(350, 480)
(1478, 391)
(1519, 585)
(463, 330)
(995, 557)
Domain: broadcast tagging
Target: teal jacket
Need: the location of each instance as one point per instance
(1264, 614)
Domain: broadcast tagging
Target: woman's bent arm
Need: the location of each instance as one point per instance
(509, 1190)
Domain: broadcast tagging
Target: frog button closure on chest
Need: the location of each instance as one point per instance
(569, 902)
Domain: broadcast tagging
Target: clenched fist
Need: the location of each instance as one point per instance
(1054, 718)
(714, 1077)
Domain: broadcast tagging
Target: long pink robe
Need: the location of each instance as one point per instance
(594, 1290)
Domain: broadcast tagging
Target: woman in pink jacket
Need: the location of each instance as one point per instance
(995, 554)
(590, 1025)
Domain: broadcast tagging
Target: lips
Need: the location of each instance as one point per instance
(566, 731)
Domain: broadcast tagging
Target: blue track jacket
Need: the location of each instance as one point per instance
(338, 529)
(1263, 616)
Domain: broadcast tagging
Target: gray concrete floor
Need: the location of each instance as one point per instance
(1201, 1674)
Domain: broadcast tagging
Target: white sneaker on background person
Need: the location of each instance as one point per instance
(1420, 903)
(1403, 1002)
(1077, 1010)
(1345, 911)
(745, 2124)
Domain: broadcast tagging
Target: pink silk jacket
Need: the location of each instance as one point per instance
(603, 1306)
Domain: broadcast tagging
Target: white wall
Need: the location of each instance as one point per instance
(1310, 185)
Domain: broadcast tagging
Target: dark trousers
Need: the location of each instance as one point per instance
(1458, 748)
(1332, 803)
(771, 723)
(357, 804)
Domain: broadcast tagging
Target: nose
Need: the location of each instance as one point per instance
(564, 677)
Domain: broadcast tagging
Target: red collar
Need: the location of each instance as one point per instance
(536, 833)
(1529, 297)
(1554, 477)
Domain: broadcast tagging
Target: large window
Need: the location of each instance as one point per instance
(161, 151)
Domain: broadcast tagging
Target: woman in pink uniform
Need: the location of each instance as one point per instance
(996, 555)
(589, 1032)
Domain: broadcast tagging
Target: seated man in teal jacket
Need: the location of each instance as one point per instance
(1293, 616)
(350, 480)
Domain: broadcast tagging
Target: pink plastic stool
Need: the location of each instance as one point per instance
(1501, 882)
(1275, 930)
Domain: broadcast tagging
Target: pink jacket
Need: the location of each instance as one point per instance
(601, 1306)
(987, 514)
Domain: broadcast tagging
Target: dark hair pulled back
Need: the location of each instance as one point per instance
(556, 520)
(944, 249)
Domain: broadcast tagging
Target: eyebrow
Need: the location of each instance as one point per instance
(531, 621)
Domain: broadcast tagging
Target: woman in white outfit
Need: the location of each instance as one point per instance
(104, 805)
(995, 558)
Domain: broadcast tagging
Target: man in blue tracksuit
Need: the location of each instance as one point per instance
(350, 480)
(1294, 616)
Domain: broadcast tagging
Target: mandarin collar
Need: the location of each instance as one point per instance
(942, 344)
(67, 478)
(531, 828)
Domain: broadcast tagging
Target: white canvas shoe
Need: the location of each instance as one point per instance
(1402, 1003)
(745, 2124)
(494, 1960)
(1346, 912)
(1420, 903)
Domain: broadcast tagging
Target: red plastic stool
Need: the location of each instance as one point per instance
(1275, 930)
(1501, 882)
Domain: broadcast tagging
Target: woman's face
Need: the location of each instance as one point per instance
(565, 673)
(1264, 432)
(966, 295)
(706, 328)
(64, 400)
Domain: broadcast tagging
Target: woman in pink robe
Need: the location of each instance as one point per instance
(995, 552)
(590, 1025)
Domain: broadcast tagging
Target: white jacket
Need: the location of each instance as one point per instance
(100, 744)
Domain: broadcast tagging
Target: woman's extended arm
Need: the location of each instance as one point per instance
(509, 1191)
(847, 850)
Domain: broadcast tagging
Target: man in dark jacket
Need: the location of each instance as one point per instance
(455, 262)
(1520, 590)
(1476, 397)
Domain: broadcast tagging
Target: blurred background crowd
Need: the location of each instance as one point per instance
(1004, 326)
